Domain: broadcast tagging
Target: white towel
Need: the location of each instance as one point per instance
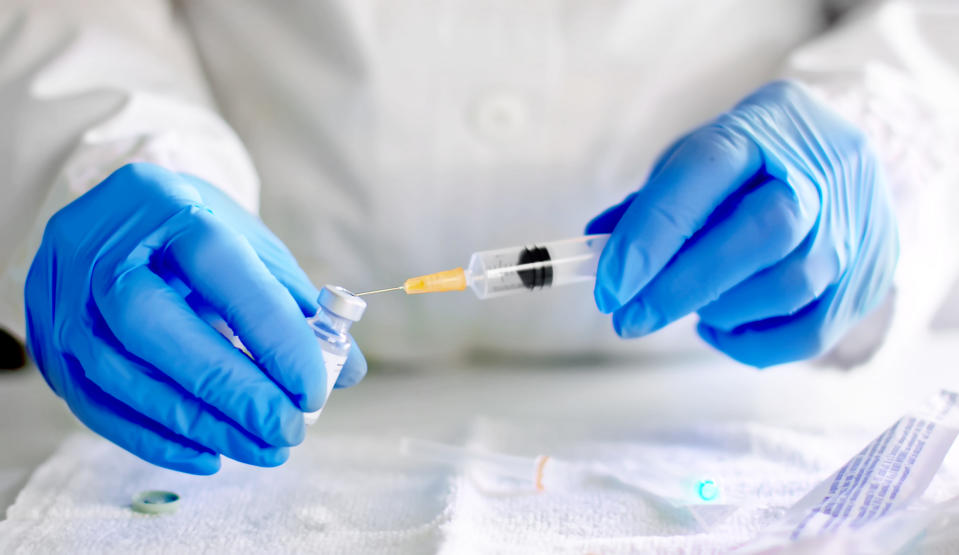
(357, 495)
(334, 496)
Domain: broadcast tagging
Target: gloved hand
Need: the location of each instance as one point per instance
(112, 299)
(773, 223)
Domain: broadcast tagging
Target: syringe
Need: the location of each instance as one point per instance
(513, 269)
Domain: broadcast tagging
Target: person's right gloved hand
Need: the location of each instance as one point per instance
(112, 300)
(773, 222)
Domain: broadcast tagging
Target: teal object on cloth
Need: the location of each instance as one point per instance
(773, 222)
(114, 300)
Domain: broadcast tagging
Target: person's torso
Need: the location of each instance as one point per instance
(393, 138)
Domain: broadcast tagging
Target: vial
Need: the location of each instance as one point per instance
(339, 309)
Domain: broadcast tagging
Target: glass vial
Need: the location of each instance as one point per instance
(339, 309)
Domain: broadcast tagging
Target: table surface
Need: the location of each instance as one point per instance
(438, 402)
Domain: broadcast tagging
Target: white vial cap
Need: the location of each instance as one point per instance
(341, 302)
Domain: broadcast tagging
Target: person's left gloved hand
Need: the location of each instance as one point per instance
(121, 305)
(773, 223)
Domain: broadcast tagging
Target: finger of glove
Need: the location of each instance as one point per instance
(780, 290)
(354, 369)
(38, 292)
(223, 268)
(280, 262)
(667, 154)
(274, 254)
(778, 340)
(156, 324)
(133, 384)
(606, 221)
(768, 223)
(706, 167)
(133, 431)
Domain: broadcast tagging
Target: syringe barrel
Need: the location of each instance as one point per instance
(528, 268)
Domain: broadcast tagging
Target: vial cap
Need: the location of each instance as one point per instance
(155, 502)
(341, 302)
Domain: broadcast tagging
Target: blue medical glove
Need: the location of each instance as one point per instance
(773, 223)
(112, 300)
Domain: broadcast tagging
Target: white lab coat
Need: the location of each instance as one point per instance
(383, 139)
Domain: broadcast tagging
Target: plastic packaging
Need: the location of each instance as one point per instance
(686, 489)
(861, 508)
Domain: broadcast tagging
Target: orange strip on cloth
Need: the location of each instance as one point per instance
(540, 467)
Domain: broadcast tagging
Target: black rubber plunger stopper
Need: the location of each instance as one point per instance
(540, 276)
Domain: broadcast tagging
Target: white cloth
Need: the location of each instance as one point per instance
(391, 141)
(773, 434)
(337, 496)
(357, 495)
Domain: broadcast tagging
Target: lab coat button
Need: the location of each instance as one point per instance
(500, 117)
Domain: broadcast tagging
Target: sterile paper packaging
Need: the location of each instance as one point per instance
(862, 507)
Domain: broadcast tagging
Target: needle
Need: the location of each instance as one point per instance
(379, 291)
